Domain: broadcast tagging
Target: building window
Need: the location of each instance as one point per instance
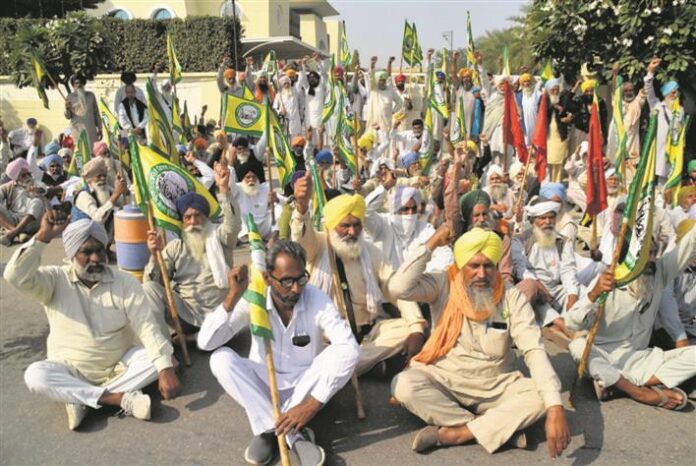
(120, 14)
(322, 45)
(162, 13)
(228, 8)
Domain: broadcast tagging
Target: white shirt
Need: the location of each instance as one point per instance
(314, 315)
(403, 141)
(257, 206)
(314, 104)
(121, 94)
(125, 122)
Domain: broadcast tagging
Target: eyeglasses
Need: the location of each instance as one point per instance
(287, 283)
(409, 210)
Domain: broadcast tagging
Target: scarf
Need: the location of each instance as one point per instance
(216, 259)
(322, 279)
(449, 324)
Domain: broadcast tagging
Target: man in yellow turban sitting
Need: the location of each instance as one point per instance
(465, 383)
(364, 274)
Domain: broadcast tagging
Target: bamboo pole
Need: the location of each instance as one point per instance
(168, 291)
(271, 204)
(518, 204)
(356, 152)
(275, 400)
(582, 364)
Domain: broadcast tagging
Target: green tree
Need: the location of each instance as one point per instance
(43, 8)
(601, 33)
(75, 44)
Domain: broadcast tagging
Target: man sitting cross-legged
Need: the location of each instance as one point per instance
(308, 372)
(93, 311)
(465, 382)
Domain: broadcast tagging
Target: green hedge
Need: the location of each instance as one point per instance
(201, 42)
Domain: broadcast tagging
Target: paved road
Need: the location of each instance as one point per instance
(204, 426)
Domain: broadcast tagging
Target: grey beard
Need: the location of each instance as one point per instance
(498, 192)
(250, 190)
(481, 300)
(486, 225)
(103, 194)
(545, 239)
(194, 238)
(641, 288)
(346, 250)
(527, 91)
(83, 274)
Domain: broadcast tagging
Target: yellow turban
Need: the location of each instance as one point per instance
(587, 85)
(684, 192)
(464, 72)
(475, 241)
(525, 78)
(366, 141)
(342, 206)
(471, 146)
(399, 116)
(684, 227)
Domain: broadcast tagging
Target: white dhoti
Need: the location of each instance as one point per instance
(671, 367)
(386, 339)
(59, 382)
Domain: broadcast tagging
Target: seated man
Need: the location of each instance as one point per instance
(97, 200)
(620, 358)
(93, 312)
(398, 233)
(465, 382)
(308, 372)
(198, 262)
(364, 273)
(537, 258)
(253, 194)
(20, 210)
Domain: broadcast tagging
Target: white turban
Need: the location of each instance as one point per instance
(540, 206)
(494, 170)
(551, 83)
(283, 81)
(609, 172)
(516, 168)
(80, 231)
(402, 195)
(498, 80)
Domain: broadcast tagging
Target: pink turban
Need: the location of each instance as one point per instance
(99, 148)
(16, 167)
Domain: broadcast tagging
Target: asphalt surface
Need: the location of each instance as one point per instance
(205, 426)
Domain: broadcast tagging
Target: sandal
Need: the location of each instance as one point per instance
(426, 439)
(664, 399)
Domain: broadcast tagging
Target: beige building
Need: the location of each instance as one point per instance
(293, 28)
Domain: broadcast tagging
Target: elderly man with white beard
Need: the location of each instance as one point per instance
(287, 104)
(620, 359)
(114, 168)
(528, 102)
(538, 259)
(97, 200)
(364, 273)
(93, 312)
(254, 196)
(20, 210)
(82, 111)
(502, 196)
(399, 232)
(199, 261)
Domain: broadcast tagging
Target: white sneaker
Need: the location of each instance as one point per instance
(76, 413)
(136, 404)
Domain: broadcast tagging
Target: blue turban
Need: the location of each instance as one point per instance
(31, 121)
(439, 74)
(409, 159)
(181, 149)
(475, 89)
(51, 148)
(51, 159)
(668, 87)
(548, 190)
(296, 176)
(194, 200)
(324, 156)
(551, 83)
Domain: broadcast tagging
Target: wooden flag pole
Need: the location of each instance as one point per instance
(359, 406)
(56, 85)
(356, 152)
(598, 316)
(271, 203)
(518, 204)
(168, 291)
(275, 399)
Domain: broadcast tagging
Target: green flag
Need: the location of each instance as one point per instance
(159, 132)
(345, 49)
(330, 95)
(621, 136)
(38, 72)
(174, 67)
(255, 294)
(81, 156)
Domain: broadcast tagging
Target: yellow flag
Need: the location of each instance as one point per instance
(243, 116)
(161, 182)
(174, 66)
(159, 132)
(255, 293)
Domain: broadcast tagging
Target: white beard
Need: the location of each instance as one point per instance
(194, 238)
(554, 99)
(545, 240)
(481, 300)
(102, 192)
(498, 192)
(641, 288)
(82, 273)
(243, 158)
(251, 190)
(346, 250)
(527, 91)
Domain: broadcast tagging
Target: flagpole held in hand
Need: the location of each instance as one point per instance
(271, 203)
(168, 290)
(275, 400)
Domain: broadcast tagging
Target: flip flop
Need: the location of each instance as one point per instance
(685, 399)
(426, 439)
(664, 399)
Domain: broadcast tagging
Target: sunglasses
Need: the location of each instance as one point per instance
(288, 282)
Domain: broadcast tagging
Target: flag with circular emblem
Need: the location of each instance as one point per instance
(243, 116)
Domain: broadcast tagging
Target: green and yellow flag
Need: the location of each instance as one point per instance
(459, 131)
(639, 211)
(547, 72)
(246, 92)
(177, 124)
(345, 49)
(318, 195)
(435, 100)
(174, 66)
(281, 150)
(506, 62)
(111, 131)
(38, 72)
(161, 182)
(410, 48)
(255, 293)
(470, 55)
(330, 95)
(427, 161)
(675, 155)
(621, 136)
(81, 156)
(159, 132)
(343, 138)
(187, 124)
(243, 116)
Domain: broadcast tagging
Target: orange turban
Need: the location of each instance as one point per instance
(230, 74)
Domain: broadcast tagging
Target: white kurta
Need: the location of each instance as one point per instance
(664, 118)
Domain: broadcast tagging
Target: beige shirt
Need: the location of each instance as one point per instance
(90, 328)
(315, 244)
(482, 363)
(191, 279)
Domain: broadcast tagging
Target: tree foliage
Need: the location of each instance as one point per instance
(43, 8)
(601, 32)
(76, 44)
